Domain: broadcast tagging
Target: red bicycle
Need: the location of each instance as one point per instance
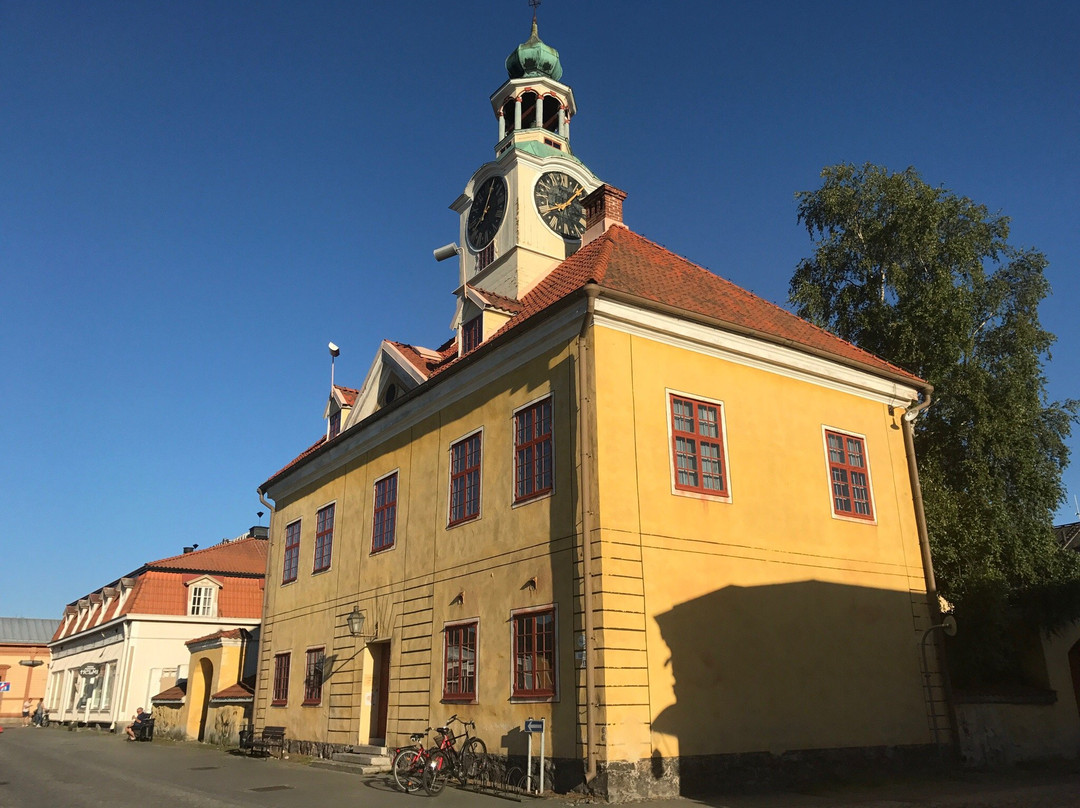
(408, 765)
(447, 761)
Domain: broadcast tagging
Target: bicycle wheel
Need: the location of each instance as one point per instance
(409, 770)
(436, 773)
(473, 760)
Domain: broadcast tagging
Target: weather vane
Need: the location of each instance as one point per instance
(535, 4)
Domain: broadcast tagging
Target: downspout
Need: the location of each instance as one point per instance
(933, 601)
(585, 447)
(125, 675)
(263, 646)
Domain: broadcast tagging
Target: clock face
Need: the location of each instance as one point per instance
(558, 201)
(487, 212)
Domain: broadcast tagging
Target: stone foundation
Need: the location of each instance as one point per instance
(661, 777)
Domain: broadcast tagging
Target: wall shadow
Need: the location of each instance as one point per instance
(787, 684)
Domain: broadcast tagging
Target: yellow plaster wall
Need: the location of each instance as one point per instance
(412, 589)
(763, 624)
(26, 682)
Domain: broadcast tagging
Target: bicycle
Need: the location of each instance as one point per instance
(408, 764)
(447, 761)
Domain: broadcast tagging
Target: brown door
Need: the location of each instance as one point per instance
(380, 690)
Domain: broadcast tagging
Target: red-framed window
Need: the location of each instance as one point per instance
(533, 474)
(472, 334)
(697, 446)
(313, 675)
(292, 552)
(849, 475)
(459, 662)
(465, 479)
(324, 538)
(534, 654)
(385, 516)
(282, 662)
(335, 424)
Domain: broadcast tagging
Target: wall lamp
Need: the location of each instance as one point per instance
(356, 620)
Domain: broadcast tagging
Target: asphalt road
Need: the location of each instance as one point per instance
(57, 768)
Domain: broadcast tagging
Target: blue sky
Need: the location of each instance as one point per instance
(196, 197)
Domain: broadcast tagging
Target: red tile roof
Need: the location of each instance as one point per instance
(348, 395)
(240, 691)
(172, 694)
(622, 261)
(230, 634)
(242, 556)
(507, 304)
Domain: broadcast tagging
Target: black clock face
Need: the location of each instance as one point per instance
(558, 201)
(486, 213)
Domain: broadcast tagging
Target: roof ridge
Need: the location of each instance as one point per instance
(201, 551)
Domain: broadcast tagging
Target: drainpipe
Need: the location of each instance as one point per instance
(263, 647)
(124, 675)
(927, 560)
(585, 403)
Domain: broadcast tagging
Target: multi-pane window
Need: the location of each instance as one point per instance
(324, 538)
(335, 424)
(313, 675)
(282, 662)
(534, 654)
(532, 451)
(697, 446)
(848, 476)
(385, 516)
(292, 552)
(465, 479)
(202, 600)
(459, 662)
(471, 334)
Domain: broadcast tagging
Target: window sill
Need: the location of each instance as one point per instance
(320, 571)
(459, 699)
(382, 550)
(307, 703)
(460, 522)
(533, 699)
(279, 704)
(534, 497)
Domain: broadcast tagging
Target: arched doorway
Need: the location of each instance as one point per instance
(200, 684)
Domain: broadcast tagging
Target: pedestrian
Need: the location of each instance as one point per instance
(139, 719)
(39, 712)
(26, 712)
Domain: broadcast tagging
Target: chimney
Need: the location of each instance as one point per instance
(259, 532)
(603, 208)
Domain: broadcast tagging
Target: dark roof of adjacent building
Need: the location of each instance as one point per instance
(1069, 535)
(26, 630)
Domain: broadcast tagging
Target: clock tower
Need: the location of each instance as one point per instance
(521, 214)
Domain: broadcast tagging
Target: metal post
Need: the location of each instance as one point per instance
(543, 734)
(528, 767)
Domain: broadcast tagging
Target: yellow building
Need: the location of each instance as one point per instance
(628, 497)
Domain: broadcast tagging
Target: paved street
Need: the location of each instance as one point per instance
(61, 769)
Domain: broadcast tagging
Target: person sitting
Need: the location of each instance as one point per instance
(140, 719)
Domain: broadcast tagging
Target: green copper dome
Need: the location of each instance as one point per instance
(534, 58)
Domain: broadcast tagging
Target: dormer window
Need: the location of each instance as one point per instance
(202, 597)
(471, 334)
(335, 425)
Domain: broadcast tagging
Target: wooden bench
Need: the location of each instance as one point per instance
(268, 740)
(144, 731)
